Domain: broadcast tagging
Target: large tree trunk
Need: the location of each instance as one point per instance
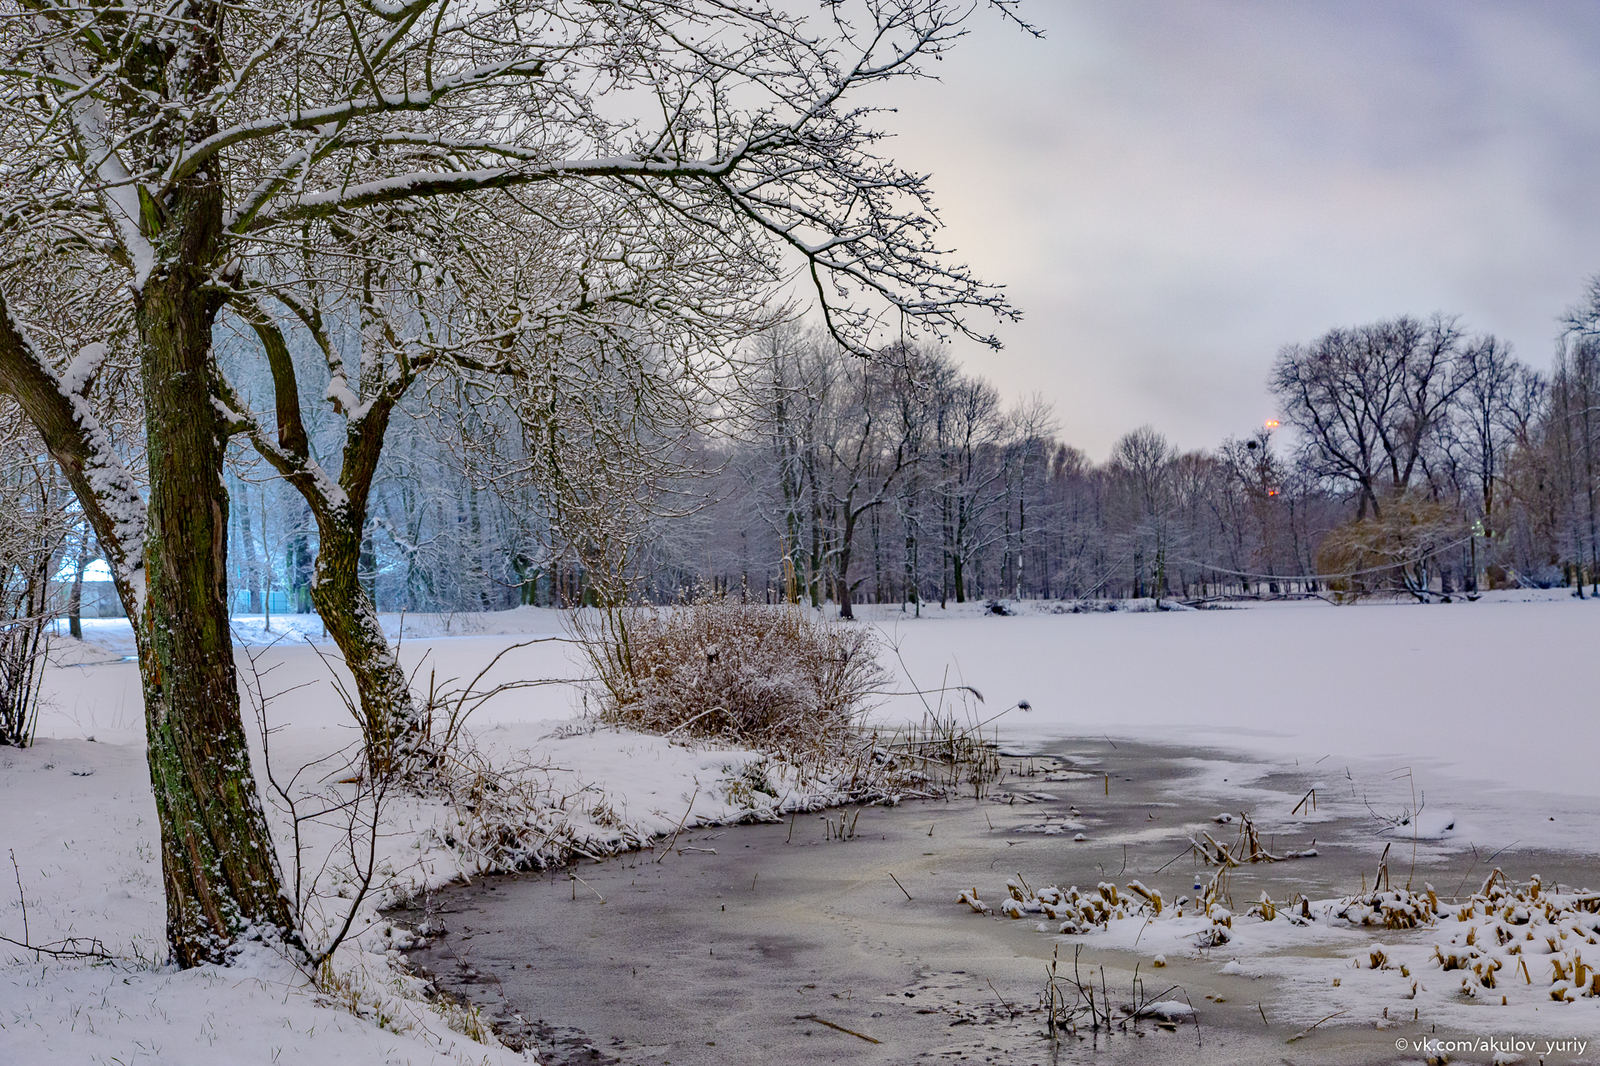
(167, 554)
(220, 870)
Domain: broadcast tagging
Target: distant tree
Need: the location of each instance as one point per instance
(1370, 401)
(1144, 461)
(1487, 427)
(969, 426)
(873, 450)
(1025, 454)
(1577, 385)
(1574, 437)
(1257, 476)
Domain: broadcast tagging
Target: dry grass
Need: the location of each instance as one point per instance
(776, 678)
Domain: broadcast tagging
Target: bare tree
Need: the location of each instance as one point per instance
(1487, 428)
(1574, 414)
(967, 428)
(34, 529)
(1144, 460)
(874, 450)
(1369, 401)
(1029, 426)
(180, 150)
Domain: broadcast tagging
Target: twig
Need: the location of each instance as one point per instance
(1186, 851)
(368, 870)
(833, 1025)
(587, 885)
(685, 819)
(1471, 866)
(1002, 999)
(20, 897)
(1307, 1030)
(96, 952)
(1508, 847)
(896, 880)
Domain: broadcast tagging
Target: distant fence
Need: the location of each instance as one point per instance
(99, 600)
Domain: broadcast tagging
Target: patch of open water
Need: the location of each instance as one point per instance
(782, 944)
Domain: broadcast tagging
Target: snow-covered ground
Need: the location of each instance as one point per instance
(1490, 704)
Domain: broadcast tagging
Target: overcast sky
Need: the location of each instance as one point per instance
(1171, 191)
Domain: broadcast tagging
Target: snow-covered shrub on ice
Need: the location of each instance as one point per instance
(1537, 936)
(1392, 909)
(1138, 605)
(1077, 911)
(774, 677)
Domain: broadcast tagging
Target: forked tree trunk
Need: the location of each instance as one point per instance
(392, 730)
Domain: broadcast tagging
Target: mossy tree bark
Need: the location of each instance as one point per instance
(217, 859)
(167, 556)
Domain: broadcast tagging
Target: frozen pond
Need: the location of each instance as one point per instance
(742, 945)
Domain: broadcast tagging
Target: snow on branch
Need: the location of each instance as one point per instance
(735, 119)
(76, 439)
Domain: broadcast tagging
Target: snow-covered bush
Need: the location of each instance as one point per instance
(775, 677)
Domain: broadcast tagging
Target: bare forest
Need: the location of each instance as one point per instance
(1413, 458)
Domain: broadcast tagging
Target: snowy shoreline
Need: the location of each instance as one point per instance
(1478, 700)
(793, 909)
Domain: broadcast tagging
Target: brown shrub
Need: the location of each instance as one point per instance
(773, 677)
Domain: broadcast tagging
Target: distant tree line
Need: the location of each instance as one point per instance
(1414, 457)
(1422, 459)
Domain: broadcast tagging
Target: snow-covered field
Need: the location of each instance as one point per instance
(1490, 704)
(1486, 702)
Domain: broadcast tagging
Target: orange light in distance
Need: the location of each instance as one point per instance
(1272, 423)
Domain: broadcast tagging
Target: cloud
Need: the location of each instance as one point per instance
(1171, 191)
